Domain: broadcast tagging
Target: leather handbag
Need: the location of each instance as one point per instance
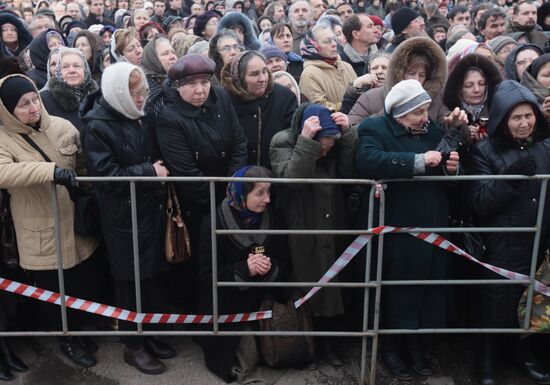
(178, 241)
(278, 351)
(8, 241)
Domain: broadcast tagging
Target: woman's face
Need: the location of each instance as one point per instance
(133, 51)
(72, 70)
(485, 52)
(107, 37)
(474, 88)
(195, 92)
(543, 77)
(505, 51)
(285, 82)
(27, 110)
(265, 24)
(523, 59)
(139, 93)
(379, 68)
(9, 34)
(55, 42)
(166, 54)
(196, 9)
(210, 28)
(327, 44)
(283, 41)
(416, 118)
(417, 72)
(228, 49)
(276, 64)
(256, 76)
(140, 19)
(123, 4)
(521, 121)
(53, 63)
(83, 44)
(258, 199)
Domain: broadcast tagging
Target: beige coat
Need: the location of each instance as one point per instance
(27, 177)
(325, 84)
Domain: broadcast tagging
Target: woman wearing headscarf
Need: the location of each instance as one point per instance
(71, 83)
(519, 59)
(27, 173)
(90, 45)
(263, 108)
(250, 258)
(402, 144)
(325, 77)
(465, 47)
(117, 143)
(39, 53)
(319, 144)
(15, 36)
(518, 144)
(537, 80)
(126, 47)
(199, 134)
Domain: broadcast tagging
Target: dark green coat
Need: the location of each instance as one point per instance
(313, 206)
(385, 151)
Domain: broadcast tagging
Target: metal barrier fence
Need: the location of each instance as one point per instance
(376, 284)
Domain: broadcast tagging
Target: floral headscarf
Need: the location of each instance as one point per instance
(309, 48)
(236, 197)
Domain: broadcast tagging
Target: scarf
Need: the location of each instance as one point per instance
(416, 131)
(310, 51)
(231, 79)
(473, 109)
(236, 198)
(87, 84)
(230, 219)
(535, 87)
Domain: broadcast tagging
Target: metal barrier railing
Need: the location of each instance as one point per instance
(368, 284)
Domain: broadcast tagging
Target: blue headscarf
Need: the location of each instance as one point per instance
(236, 197)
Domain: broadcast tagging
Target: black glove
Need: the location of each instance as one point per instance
(64, 177)
(523, 166)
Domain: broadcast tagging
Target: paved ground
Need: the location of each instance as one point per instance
(450, 359)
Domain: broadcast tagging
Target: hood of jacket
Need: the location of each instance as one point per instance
(398, 64)
(14, 125)
(231, 19)
(451, 94)
(39, 51)
(509, 94)
(295, 126)
(24, 37)
(510, 63)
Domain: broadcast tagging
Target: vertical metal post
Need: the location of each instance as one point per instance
(366, 292)
(59, 254)
(135, 245)
(534, 256)
(213, 227)
(376, 322)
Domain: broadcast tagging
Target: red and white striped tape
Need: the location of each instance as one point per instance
(162, 318)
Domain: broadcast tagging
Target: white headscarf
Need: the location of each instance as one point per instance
(116, 89)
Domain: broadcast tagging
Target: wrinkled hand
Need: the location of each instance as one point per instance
(65, 177)
(366, 80)
(258, 264)
(432, 158)
(160, 169)
(475, 135)
(456, 118)
(452, 163)
(341, 120)
(523, 166)
(312, 125)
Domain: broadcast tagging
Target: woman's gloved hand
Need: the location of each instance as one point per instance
(65, 177)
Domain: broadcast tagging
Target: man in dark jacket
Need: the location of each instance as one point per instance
(406, 23)
(97, 15)
(361, 34)
(524, 19)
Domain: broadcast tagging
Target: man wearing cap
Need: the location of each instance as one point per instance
(362, 37)
(406, 23)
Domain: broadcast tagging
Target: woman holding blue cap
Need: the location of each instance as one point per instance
(319, 144)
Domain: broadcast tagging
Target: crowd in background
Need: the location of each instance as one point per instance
(286, 89)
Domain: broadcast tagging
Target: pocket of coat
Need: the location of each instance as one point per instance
(68, 150)
(38, 236)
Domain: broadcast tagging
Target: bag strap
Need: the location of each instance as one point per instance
(35, 146)
(172, 192)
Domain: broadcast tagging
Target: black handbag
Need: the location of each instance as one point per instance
(472, 243)
(86, 209)
(8, 241)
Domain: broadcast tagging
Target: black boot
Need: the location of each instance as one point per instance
(328, 352)
(5, 372)
(159, 349)
(418, 360)
(485, 357)
(391, 356)
(143, 361)
(528, 363)
(13, 362)
(88, 344)
(71, 347)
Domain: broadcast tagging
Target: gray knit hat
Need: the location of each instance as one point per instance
(499, 42)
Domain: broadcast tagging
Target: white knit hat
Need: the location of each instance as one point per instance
(404, 97)
(115, 88)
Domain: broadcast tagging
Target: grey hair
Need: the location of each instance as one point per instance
(291, 8)
(329, 20)
(35, 18)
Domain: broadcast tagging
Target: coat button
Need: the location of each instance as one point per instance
(402, 163)
(255, 116)
(394, 161)
(327, 216)
(223, 154)
(534, 200)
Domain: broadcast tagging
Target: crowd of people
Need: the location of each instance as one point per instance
(273, 89)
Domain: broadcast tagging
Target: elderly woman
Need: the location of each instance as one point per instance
(281, 37)
(39, 52)
(537, 79)
(287, 80)
(517, 145)
(224, 47)
(198, 134)
(36, 150)
(325, 76)
(519, 59)
(90, 45)
(255, 258)
(263, 108)
(14, 35)
(116, 143)
(401, 144)
(319, 144)
(126, 47)
(242, 26)
(71, 83)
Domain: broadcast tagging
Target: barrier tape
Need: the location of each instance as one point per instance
(163, 318)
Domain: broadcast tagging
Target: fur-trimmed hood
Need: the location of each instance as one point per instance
(451, 94)
(398, 64)
(250, 42)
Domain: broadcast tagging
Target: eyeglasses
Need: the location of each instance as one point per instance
(329, 40)
(143, 93)
(229, 48)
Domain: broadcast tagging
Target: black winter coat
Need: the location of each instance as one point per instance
(499, 203)
(114, 145)
(205, 141)
(262, 118)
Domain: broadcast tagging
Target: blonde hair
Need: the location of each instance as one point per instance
(123, 37)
